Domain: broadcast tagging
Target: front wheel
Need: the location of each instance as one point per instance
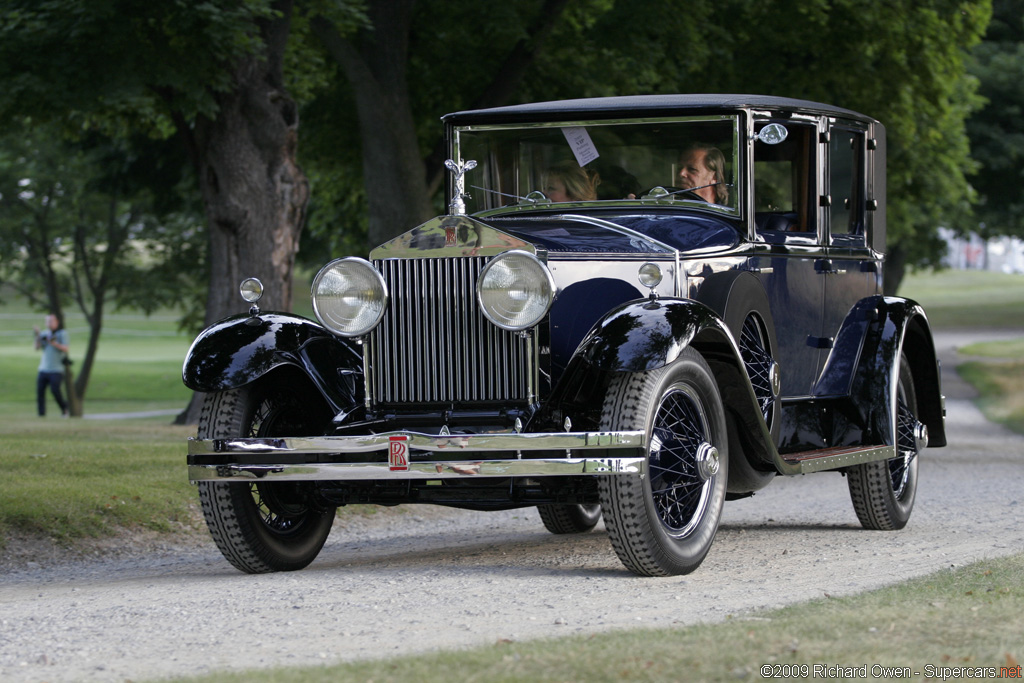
(883, 492)
(663, 523)
(262, 527)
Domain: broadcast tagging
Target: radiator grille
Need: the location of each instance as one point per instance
(434, 344)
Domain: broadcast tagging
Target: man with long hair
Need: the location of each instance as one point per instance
(703, 167)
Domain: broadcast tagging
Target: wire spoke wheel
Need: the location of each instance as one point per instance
(680, 494)
(663, 523)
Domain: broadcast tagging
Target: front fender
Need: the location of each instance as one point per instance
(640, 336)
(238, 350)
(645, 335)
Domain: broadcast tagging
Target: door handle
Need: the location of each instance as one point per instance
(826, 267)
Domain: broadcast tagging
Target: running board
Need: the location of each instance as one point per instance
(836, 458)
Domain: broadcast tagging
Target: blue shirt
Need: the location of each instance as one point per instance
(53, 358)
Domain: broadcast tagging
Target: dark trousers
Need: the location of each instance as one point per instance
(54, 380)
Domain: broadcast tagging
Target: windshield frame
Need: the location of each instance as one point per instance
(735, 163)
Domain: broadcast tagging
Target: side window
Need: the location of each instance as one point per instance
(784, 181)
(846, 186)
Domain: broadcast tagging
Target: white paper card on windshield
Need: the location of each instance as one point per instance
(581, 144)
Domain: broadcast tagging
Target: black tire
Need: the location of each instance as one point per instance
(883, 492)
(569, 519)
(262, 527)
(664, 523)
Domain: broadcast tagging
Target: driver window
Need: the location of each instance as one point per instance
(784, 183)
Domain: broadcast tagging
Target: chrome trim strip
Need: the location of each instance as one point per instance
(621, 229)
(585, 122)
(467, 443)
(473, 238)
(423, 471)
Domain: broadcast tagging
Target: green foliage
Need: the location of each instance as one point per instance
(95, 224)
(122, 65)
(901, 62)
(997, 130)
(97, 214)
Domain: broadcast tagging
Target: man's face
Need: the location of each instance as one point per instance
(51, 322)
(693, 172)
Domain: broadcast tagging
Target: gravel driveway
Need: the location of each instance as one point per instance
(394, 583)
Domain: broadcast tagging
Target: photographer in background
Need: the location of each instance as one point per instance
(54, 343)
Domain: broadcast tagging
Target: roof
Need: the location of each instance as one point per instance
(662, 105)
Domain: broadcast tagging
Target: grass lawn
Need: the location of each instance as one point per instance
(1000, 382)
(968, 298)
(71, 479)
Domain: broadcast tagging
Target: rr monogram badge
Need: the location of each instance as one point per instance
(398, 454)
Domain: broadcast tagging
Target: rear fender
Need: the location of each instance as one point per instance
(239, 350)
(864, 365)
(901, 326)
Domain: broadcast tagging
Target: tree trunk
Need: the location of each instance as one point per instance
(893, 270)
(74, 399)
(393, 173)
(253, 189)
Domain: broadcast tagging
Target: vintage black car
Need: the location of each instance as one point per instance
(636, 307)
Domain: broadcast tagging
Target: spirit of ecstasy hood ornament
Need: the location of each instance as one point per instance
(457, 207)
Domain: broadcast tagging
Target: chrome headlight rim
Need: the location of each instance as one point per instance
(377, 280)
(547, 280)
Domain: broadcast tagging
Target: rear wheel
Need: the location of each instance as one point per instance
(664, 522)
(262, 527)
(883, 492)
(569, 519)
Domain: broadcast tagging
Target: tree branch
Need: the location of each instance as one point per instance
(507, 78)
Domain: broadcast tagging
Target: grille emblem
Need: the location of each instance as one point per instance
(398, 454)
(449, 236)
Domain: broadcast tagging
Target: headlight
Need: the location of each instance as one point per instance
(515, 290)
(349, 297)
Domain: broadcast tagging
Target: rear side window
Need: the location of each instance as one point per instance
(846, 177)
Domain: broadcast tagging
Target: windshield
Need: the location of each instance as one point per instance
(679, 160)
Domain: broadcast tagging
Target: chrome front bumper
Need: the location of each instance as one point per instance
(415, 456)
